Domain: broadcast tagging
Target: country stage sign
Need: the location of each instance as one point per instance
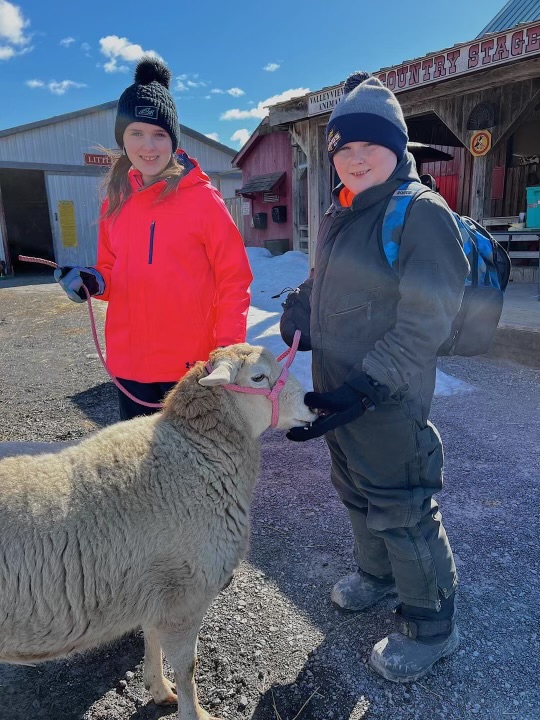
(481, 54)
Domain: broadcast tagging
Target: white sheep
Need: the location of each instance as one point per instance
(141, 524)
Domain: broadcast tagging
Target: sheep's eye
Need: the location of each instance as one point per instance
(258, 378)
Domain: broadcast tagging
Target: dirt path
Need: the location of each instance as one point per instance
(272, 641)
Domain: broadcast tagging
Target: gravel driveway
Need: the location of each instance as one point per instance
(272, 646)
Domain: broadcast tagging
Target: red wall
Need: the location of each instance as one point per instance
(452, 177)
(273, 153)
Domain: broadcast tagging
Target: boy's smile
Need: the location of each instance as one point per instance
(361, 165)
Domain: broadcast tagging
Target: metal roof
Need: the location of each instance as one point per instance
(513, 13)
(261, 183)
(106, 106)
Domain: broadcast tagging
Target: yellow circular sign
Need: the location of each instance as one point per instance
(480, 143)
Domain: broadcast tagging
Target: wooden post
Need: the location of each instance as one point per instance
(318, 182)
(481, 187)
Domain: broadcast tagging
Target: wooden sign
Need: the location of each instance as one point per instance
(462, 59)
(480, 54)
(480, 143)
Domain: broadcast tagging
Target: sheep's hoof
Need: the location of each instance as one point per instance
(165, 694)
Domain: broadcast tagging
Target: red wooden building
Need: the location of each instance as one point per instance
(266, 192)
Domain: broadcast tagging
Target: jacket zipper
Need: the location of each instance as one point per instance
(151, 242)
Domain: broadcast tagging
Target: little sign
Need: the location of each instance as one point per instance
(93, 159)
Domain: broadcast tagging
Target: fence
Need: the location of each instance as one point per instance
(234, 205)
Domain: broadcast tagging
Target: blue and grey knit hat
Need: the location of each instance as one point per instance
(368, 112)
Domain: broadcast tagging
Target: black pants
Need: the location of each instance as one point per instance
(149, 392)
(386, 466)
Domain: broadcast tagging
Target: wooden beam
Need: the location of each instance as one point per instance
(296, 109)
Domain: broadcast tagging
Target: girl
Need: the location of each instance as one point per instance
(170, 261)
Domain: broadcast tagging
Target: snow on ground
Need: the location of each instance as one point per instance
(271, 275)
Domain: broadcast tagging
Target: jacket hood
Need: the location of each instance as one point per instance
(405, 170)
(193, 174)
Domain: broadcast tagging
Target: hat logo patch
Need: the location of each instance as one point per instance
(333, 140)
(146, 111)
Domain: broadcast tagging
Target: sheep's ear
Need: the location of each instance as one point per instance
(223, 374)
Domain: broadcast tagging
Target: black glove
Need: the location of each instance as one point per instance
(72, 278)
(357, 388)
(358, 393)
(296, 315)
(325, 423)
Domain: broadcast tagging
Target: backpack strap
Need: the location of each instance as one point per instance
(395, 215)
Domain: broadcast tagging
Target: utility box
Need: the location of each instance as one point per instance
(533, 207)
(260, 220)
(277, 247)
(279, 213)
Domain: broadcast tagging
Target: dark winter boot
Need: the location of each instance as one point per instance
(359, 591)
(423, 637)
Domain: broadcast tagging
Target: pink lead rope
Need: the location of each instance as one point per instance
(50, 263)
(273, 394)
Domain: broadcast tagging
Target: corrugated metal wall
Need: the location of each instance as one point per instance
(66, 142)
(61, 143)
(83, 192)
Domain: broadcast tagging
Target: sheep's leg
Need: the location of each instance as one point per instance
(162, 690)
(179, 644)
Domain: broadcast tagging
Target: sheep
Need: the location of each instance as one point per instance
(139, 525)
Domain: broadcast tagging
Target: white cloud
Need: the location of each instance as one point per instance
(187, 81)
(119, 49)
(261, 110)
(57, 88)
(236, 92)
(241, 137)
(13, 40)
(217, 91)
(67, 41)
(212, 136)
(271, 67)
(6, 52)
(85, 47)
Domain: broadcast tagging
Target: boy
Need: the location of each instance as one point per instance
(375, 331)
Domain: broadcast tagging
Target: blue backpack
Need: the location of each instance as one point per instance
(474, 326)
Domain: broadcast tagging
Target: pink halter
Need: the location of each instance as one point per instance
(273, 394)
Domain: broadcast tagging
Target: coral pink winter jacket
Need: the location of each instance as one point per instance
(176, 277)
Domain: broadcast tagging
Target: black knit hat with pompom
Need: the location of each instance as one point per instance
(368, 112)
(148, 100)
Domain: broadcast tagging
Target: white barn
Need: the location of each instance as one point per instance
(50, 176)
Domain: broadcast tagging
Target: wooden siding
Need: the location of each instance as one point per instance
(273, 154)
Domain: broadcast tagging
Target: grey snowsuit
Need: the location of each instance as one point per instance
(387, 464)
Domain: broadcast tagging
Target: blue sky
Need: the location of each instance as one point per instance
(228, 59)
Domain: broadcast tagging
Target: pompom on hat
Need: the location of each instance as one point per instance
(368, 112)
(148, 100)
